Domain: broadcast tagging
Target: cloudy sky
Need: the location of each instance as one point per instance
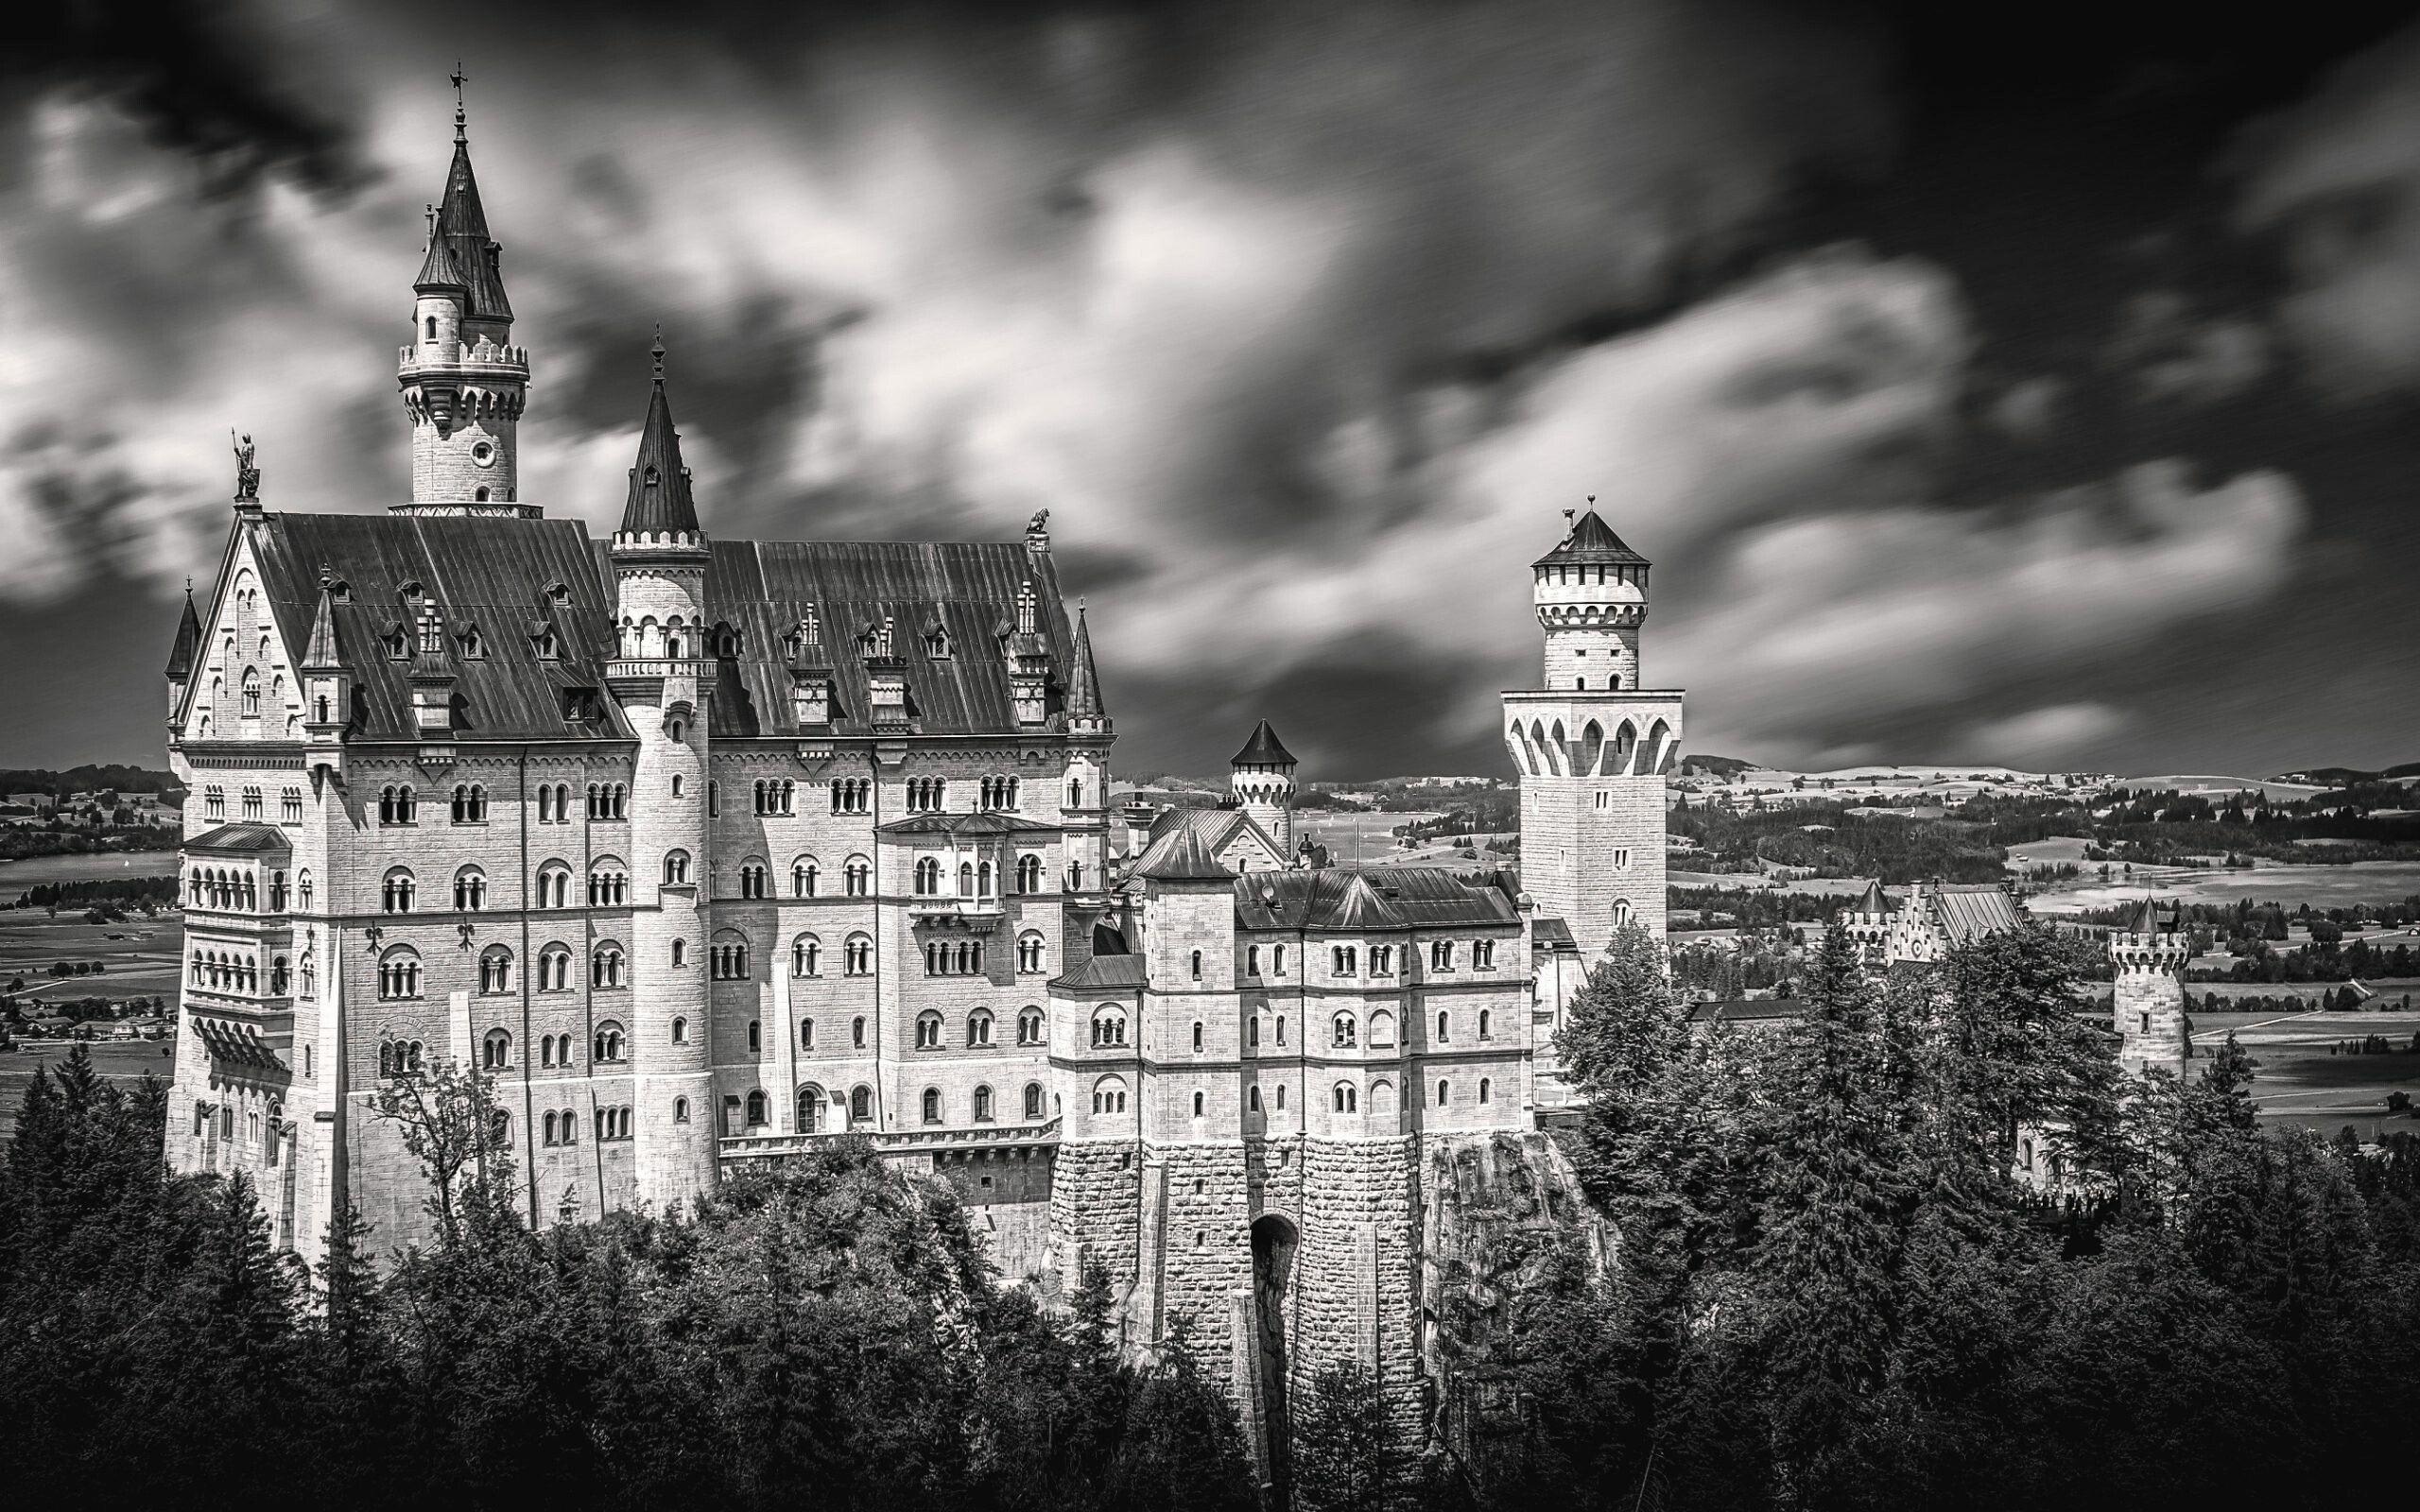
(2046, 395)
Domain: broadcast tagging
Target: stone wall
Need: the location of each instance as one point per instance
(1356, 1270)
(1096, 1203)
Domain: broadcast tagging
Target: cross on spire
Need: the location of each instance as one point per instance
(461, 118)
(658, 353)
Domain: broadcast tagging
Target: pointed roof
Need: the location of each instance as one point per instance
(1361, 908)
(1182, 856)
(324, 651)
(1263, 749)
(659, 500)
(1873, 902)
(463, 223)
(188, 647)
(438, 269)
(1592, 540)
(2148, 919)
(1083, 680)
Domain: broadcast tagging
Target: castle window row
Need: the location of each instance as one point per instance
(237, 891)
(953, 958)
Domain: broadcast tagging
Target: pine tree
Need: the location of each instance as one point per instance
(1347, 1456)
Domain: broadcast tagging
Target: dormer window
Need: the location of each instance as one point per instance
(340, 590)
(474, 644)
(549, 647)
(726, 644)
(557, 592)
(936, 644)
(397, 640)
(653, 477)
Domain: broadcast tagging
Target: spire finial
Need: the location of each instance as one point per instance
(658, 351)
(461, 118)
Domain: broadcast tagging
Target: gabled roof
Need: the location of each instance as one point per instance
(1968, 912)
(967, 824)
(1375, 898)
(1083, 680)
(1263, 749)
(1180, 856)
(241, 839)
(659, 502)
(187, 649)
(1104, 973)
(1591, 541)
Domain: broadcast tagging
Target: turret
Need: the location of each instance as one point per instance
(1591, 598)
(327, 685)
(463, 383)
(182, 655)
(662, 677)
(1084, 812)
(2147, 999)
(1261, 778)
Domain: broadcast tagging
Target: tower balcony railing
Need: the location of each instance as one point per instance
(936, 1141)
(485, 357)
(954, 909)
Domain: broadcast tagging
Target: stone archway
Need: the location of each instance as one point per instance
(1275, 1240)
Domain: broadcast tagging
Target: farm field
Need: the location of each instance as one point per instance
(2300, 1083)
(1375, 840)
(144, 960)
(2357, 881)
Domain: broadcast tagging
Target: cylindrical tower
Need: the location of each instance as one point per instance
(1261, 776)
(1591, 597)
(2148, 996)
(663, 677)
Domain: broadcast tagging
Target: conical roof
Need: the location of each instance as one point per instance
(463, 222)
(1874, 902)
(1592, 540)
(1083, 678)
(438, 269)
(188, 645)
(1263, 749)
(324, 651)
(2146, 919)
(659, 502)
(1182, 856)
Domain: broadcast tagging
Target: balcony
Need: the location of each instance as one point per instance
(939, 1143)
(959, 913)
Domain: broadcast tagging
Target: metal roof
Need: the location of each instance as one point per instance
(1591, 541)
(1180, 856)
(1375, 899)
(187, 649)
(1104, 973)
(967, 824)
(1263, 749)
(1083, 680)
(463, 223)
(241, 839)
(1873, 902)
(1966, 912)
(659, 501)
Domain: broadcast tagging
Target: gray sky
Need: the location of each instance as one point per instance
(2017, 398)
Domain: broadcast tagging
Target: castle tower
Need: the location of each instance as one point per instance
(661, 675)
(1593, 744)
(1868, 923)
(463, 383)
(182, 656)
(1261, 776)
(1083, 813)
(2148, 1002)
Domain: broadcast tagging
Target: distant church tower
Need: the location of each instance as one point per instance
(463, 383)
(1592, 744)
(2149, 1001)
(1262, 780)
(662, 675)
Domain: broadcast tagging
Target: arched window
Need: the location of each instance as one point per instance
(860, 1105)
(609, 885)
(982, 1105)
(806, 1034)
(979, 1029)
(1444, 1093)
(756, 1118)
(1033, 1099)
(676, 868)
(680, 952)
(681, 1032)
(928, 1030)
(1483, 1089)
(932, 1101)
(727, 957)
(605, 966)
(856, 956)
(1251, 1099)
(399, 972)
(469, 890)
(1031, 1026)
(1621, 913)
(928, 876)
(1346, 1031)
(496, 970)
(680, 1111)
(810, 1110)
(1030, 952)
(1029, 874)
(1483, 1018)
(807, 956)
(1197, 966)
(251, 693)
(1109, 1095)
(495, 1050)
(804, 874)
(1442, 1020)
(857, 1033)
(1277, 961)
(856, 874)
(1197, 1036)
(1109, 1025)
(606, 1044)
(1281, 1028)
(554, 886)
(1280, 1097)
(1347, 1099)
(753, 876)
(1382, 1030)
(1197, 1104)
(396, 894)
(1342, 958)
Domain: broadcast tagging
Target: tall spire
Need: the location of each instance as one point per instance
(463, 222)
(659, 502)
(188, 647)
(1084, 680)
(323, 652)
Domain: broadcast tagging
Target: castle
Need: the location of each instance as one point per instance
(703, 850)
